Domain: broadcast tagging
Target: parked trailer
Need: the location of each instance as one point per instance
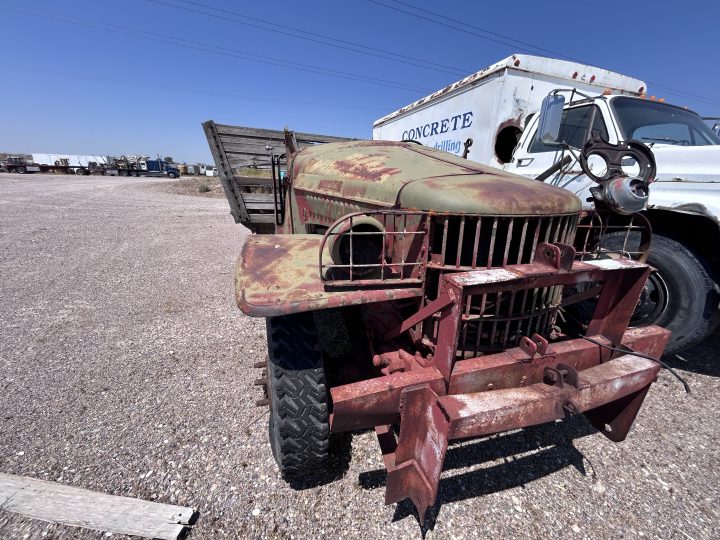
(21, 166)
(84, 165)
(418, 294)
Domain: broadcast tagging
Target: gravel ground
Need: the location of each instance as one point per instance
(125, 367)
(199, 186)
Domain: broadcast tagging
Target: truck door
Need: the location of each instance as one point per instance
(532, 156)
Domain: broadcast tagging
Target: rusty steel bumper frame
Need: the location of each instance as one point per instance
(451, 398)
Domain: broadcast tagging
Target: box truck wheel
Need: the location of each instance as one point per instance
(299, 426)
(680, 295)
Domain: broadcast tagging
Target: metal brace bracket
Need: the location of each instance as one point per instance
(535, 345)
(561, 374)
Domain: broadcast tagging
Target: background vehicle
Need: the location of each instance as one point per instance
(20, 165)
(83, 165)
(141, 166)
(402, 286)
(684, 204)
(16, 164)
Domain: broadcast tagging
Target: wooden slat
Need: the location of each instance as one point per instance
(245, 146)
(259, 198)
(262, 218)
(58, 503)
(235, 147)
(224, 129)
(259, 206)
(253, 181)
(251, 146)
(238, 162)
(237, 207)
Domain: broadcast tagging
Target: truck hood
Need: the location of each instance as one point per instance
(687, 163)
(410, 176)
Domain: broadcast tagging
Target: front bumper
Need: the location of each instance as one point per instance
(453, 398)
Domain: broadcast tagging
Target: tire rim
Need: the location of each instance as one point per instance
(653, 302)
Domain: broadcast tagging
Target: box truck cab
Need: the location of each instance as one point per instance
(491, 117)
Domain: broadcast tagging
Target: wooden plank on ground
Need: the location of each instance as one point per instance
(58, 503)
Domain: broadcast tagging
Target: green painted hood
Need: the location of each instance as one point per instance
(410, 176)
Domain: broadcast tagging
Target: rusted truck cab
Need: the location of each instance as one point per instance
(423, 296)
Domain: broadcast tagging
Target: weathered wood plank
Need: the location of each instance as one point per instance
(237, 147)
(237, 207)
(253, 181)
(259, 197)
(262, 218)
(241, 146)
(248, 146)
(224, 129)
(58, 503)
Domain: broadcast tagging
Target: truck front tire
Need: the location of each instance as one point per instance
(299, 425)
(680, 296)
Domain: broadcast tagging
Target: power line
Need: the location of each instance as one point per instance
(464, 26)
(270, 26)
(184, 90)
(206, 47)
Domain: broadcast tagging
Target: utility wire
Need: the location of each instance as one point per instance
(270, 26)
(627, 350)
(454, 24)
(508, 41)
(183, 90)
(467, 28)
(206, 47)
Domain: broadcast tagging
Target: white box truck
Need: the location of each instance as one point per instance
(496, 107)
(491, 107)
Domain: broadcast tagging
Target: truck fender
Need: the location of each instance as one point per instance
(693, 226)
(278, 274)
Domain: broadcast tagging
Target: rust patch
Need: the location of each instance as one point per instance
(278, 275)
(366, 167)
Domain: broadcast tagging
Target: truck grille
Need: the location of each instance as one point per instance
(471, 242)
(497, 320)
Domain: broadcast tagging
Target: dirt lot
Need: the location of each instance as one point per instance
(200, 186)
(125, 368)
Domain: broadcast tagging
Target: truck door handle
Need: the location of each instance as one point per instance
(524, 162)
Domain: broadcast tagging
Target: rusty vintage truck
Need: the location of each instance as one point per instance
(412, 292)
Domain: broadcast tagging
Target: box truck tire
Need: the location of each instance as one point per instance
(680, 295)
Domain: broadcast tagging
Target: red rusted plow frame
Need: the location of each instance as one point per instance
(449, 398)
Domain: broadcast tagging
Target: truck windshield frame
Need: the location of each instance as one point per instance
(655, 122)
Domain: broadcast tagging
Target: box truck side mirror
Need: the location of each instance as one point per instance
(550, 117)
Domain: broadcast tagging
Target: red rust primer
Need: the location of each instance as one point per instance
(366, 167)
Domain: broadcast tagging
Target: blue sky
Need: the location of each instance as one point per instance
(139, 76)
